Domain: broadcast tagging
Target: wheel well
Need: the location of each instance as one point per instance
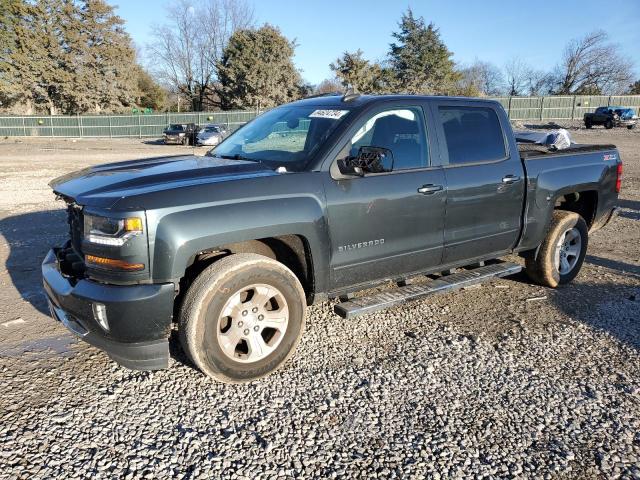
(290, 250)
(583, 203)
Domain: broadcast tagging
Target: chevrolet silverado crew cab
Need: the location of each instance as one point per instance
(314, 200)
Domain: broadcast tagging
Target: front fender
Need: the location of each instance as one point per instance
(181, 235)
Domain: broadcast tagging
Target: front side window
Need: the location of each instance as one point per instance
(473, 134)
(400, 130)
(286, 136)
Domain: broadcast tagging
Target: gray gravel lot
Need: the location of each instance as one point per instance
(507, 380)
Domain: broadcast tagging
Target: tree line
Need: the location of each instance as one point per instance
(419, 62)
(75, 56)
(63, 56)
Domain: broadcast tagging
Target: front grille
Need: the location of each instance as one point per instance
(76, 226)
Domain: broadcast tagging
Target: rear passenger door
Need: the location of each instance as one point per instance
(485, 180)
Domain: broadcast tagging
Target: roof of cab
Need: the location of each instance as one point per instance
(361, 100)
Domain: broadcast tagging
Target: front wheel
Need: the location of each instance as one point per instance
(242, 318)
(562, 252)
(608, 124)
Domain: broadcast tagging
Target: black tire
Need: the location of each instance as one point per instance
(541, 268)
(608, 124)
(202, 308)
(630, 127)
(588, 124)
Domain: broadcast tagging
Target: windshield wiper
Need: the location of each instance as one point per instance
(237, 156)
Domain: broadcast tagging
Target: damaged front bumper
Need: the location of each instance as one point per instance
(130, 323)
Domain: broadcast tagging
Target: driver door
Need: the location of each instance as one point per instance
(384, 225)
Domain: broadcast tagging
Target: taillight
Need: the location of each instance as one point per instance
(619, 178)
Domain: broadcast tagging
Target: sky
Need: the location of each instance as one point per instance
(488, 30)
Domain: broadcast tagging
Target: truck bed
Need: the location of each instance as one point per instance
(532, 150)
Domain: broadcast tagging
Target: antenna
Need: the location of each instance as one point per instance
(350, 95)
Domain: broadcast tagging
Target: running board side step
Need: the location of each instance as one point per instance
(362, 305)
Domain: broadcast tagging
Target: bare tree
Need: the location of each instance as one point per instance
(592, 65)
(538, 82)
(482, 78)
(328, 85)
(186, 52)
(516, 74)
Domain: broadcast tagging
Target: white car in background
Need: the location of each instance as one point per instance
(212, 134)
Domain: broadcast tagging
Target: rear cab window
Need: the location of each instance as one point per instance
(472, 134)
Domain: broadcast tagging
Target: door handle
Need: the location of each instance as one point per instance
(429, 189)
(510, 179)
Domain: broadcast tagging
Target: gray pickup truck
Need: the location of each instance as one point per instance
(314, 200)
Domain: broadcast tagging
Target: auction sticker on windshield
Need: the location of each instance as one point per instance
(334, 114)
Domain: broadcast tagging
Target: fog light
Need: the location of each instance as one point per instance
(100, 314)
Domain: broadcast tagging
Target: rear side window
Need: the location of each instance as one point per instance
(473, 134)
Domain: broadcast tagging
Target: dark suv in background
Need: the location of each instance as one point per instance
(611, 117)
(181, 134)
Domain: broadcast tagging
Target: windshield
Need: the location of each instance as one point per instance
(176, 127)
(286, 136)
(212, 129)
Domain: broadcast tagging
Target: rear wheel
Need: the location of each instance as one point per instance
(588, 124)
(608, 124)
(562, 252)
(242, 318)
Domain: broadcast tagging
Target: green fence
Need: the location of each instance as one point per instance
(113, 125)
(518, 108)
(562, 108)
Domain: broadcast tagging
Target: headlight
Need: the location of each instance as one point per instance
(181, 134)
(111, 231)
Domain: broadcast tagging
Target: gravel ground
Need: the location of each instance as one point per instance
(507, 380)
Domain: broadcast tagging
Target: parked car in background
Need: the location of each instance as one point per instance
(611, 117)
(212, 134)
(181, 134)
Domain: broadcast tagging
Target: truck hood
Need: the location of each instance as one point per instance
(103, 185)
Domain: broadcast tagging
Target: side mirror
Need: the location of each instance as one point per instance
(374, 159)
(347, 167)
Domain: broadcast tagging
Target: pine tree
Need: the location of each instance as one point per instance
(31, 72)
(420, 61)
(257, 70)
(105, 77)
(150, 94)
(66, 56)
(355, 72)
(9, 11)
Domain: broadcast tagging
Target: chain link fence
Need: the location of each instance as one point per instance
(111, 126)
